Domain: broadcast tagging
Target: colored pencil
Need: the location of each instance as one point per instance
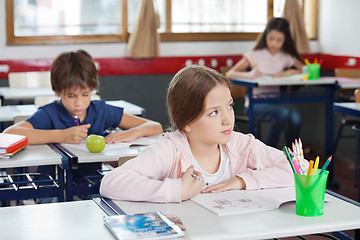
(325, 165)
(310, 167)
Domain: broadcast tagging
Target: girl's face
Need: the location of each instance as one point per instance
(274, 41)
(76, 101)
(216, 123)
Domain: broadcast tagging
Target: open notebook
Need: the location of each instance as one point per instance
(293, 77)
(140, 142)
(243, 201)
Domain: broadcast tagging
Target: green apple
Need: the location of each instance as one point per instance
(95, 143)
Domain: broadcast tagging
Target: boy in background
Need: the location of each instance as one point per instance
(74, 115)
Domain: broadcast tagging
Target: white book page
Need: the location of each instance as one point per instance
(139, 142)
(293, 77)
(242, 201)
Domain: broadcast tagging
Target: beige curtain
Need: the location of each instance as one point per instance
(293, 13)
(144, 40)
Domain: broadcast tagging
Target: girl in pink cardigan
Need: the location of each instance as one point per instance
(204, 154)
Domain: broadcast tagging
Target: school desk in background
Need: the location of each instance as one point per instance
(119, 152)
(353, 109)
(28, 185)
(10, 144)
(325, 95)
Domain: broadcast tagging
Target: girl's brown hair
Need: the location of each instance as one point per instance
(187, 91)
(73, 69)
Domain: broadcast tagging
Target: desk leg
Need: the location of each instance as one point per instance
(69, 186)
(2, 126)
(329, 130)
(143, 113)
(61, 193)
(251, 111)
(357, 159)
(329, 134)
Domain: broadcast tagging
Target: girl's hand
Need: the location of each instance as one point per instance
(190, 186)
(121, 136)
(281, 74)
(235, 183)
(254, 73)
(76, 134)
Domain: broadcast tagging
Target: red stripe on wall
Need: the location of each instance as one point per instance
(161, 65)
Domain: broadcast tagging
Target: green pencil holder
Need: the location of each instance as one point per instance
(310, 194)
(313, 71)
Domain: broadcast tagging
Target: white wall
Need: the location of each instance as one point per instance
(339, 30)
(119, 49)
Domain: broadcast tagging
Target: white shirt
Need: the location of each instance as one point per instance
(222, 174)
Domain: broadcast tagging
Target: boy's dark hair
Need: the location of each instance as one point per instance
(187, 92)
(73, 69)
(281, 25)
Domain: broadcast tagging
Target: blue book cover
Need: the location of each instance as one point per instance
(152, 225)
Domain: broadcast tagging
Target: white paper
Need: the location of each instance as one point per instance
(139, 142)
(242, 201)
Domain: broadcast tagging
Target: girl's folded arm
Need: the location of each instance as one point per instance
(144, 178)
(267, 167)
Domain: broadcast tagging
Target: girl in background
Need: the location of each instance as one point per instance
(275, 55)
(204, 154)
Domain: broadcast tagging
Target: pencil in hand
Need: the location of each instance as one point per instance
(197, 177)
(77, 120)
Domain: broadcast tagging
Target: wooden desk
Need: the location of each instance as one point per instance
(54, 221)
(200, 223)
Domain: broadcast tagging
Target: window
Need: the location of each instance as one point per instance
(65, 21)
(218, 15)
(72, 21)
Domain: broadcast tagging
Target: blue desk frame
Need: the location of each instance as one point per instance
(326, 96)
(355, 113)
(32, 187)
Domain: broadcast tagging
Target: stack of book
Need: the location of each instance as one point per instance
(10, 144)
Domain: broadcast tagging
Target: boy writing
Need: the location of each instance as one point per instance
(73, 79)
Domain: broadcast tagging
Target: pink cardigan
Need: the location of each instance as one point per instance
(153, 176)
